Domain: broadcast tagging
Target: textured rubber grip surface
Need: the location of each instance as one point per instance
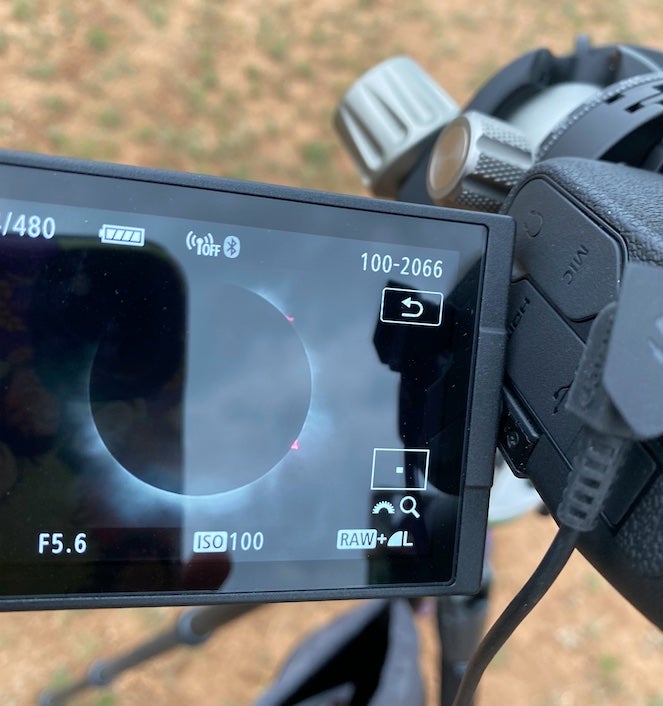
(627, 205)
(630, 200)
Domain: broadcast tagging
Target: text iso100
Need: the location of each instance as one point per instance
(414, 266)
(219, 542)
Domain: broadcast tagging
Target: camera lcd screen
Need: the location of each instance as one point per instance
(210, 391)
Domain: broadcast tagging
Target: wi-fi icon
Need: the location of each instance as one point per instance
(198, 243)
(191, 239)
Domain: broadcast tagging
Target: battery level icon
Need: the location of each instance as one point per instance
(122, 235)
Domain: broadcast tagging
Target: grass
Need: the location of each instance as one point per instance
(24, 10)
(55, 104)
(609, 668)
(316, 171)
(43, 71)
(316, 154)
(106, 699)
(67, 16)
(609, 665)
(272, 128)
(120, 68)
(156, 11)
(145, 134)
(88, 147)
(272, 38)
(305, 70)
(58, 140)
(241, 171)
(97, 39)
(110, 118)
(60, 679)
(594, 582)
(233, 145)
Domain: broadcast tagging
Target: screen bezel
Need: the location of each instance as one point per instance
(484, 384)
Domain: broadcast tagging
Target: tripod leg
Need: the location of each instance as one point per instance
(193, 627)
(461, 623)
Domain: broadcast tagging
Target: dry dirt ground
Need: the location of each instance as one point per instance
(247, 89)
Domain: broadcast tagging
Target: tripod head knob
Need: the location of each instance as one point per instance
(476, 161)
(387, 116)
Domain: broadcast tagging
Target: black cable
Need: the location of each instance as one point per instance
(616, 393)
(595, 467)
(531, 593)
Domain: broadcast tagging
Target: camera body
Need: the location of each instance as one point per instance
(579, 222)
(570, 148)
(221, 391)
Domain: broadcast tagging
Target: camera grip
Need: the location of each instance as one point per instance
(578, 222)
(625, 198)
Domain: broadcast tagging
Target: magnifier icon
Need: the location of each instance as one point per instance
(409, 506)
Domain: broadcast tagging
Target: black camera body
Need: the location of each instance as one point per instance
(579, 222)
(570, 148)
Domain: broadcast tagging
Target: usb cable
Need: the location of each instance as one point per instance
(617, 393)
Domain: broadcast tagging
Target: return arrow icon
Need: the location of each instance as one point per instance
(409, 303)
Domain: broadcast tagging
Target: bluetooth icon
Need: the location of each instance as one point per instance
(231, 246)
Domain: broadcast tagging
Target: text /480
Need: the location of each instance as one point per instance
(27, 224)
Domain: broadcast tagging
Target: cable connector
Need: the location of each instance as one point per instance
(617, 392)
(595, 469)
(618, 387)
